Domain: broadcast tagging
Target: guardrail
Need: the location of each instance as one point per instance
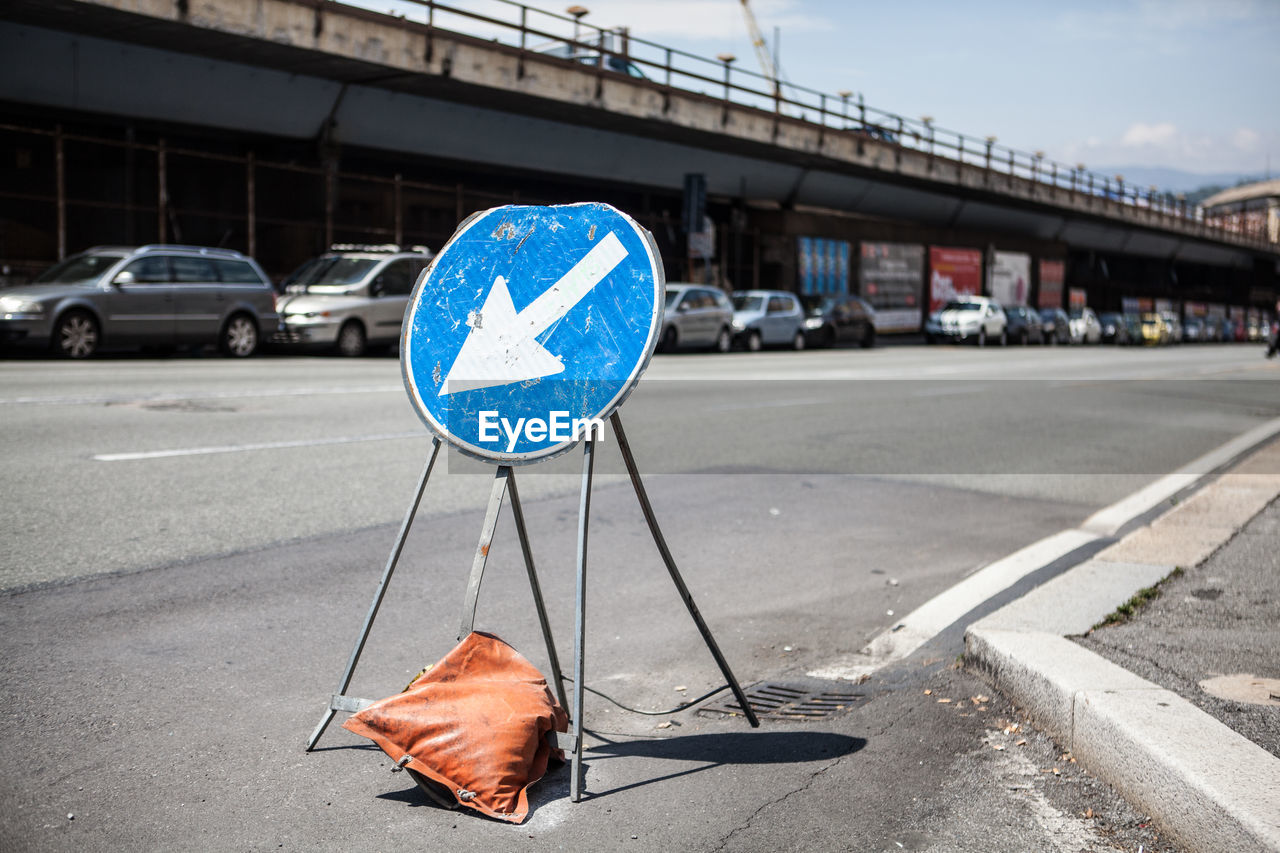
(615, 51)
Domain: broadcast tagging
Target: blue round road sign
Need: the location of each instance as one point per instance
(530, 325)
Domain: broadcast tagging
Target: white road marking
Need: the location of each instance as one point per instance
(167, 397)
(1107, 521)
(773, 404)
(929, 619)
(240, 448)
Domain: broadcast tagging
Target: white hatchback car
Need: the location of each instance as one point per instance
(350, 299)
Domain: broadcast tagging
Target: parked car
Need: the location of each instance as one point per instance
(1155, 331)
(349, 299)
(118, 297)
(1193, 330)
(1133, 328)
(696, 316)
(1024, 326)
(1085, 328)
(964, 318)
(1056, 324)
(1115, 330)
(1175, 326)
(1216, 329)
(838, 319)
(767, 318)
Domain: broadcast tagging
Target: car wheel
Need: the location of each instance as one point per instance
(75, 335)
(239, 337)
(982, 336)
(1004, 337)
(669, 339)
(351, 340)
(797, 343)
(724, 341)
(869, 338)
(828, 339)
(754, 343)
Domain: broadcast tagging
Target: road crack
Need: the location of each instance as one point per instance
(801, 789)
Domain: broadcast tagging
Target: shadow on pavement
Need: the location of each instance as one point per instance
(712, 750)
(728, 748)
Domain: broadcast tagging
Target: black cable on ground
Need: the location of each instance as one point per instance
(674, 710)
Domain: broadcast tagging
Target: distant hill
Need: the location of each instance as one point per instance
(1176, 180)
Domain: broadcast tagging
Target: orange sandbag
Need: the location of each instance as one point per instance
(476, 723)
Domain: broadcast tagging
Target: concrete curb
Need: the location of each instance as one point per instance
(1210, 787)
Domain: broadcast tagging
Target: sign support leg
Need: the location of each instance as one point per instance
(500, 481)
(522, 532)
(670, 562)
(387, 572)
(580, 618)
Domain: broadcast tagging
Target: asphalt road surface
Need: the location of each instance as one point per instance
(192, 544)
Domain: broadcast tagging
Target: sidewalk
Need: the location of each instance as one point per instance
(1212, 635)
(1126, 699)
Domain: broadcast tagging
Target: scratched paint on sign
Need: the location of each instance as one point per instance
(529, 311)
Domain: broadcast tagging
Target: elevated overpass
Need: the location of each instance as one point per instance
(502, 121)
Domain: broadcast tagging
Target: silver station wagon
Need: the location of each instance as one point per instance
(350, 299)
(121, 297)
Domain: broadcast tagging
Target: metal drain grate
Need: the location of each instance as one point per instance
(781, 701)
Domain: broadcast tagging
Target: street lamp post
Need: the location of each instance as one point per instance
(728, 59)
(576, 12)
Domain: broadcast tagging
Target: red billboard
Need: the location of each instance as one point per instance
(1052, 276)
(952, 273)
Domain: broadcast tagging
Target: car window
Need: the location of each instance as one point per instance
(236, 272)
(336, 275)
(722, 301)
(79, 268)
(398, 277)
(192, 270)
(153, 270)
(742, 302)
(777, 305)
(672, 297)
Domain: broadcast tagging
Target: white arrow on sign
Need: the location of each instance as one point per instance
(502, 346)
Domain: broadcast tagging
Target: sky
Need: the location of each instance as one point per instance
(1192, 85)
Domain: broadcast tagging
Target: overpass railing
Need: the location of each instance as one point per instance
(614, 51)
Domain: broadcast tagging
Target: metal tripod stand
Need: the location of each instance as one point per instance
(504, 481)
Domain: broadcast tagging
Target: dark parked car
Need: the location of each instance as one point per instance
(838, 319)
(159, 296)
(1114, 328)
(1133, 328)
(1057, 326)
(1025, 326)
(1214, 329)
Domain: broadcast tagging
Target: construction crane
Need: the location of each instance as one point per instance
(762, 50)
